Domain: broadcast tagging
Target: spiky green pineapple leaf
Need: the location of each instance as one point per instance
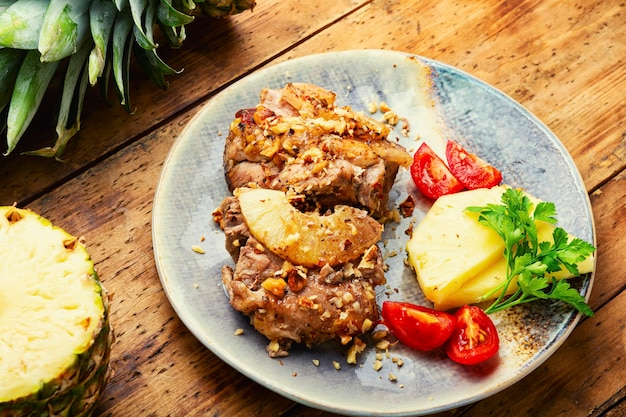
(20, 24)
(171, 17)
(74, 88)
(101, 17)
(30, 85)
(65, 27)
(10, 62)
(220, 8)
(139, 10)
(154, 66)
(4, 4)
(122, 43)
(121, 4)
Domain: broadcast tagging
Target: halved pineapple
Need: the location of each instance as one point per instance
(307, 239)
(55, 336)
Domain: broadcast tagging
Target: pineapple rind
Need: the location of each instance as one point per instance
(75, 390)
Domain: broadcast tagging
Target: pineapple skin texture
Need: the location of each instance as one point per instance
(76, 390)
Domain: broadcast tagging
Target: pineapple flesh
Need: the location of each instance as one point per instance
(457, 260)
(307, 239)
(55, 337)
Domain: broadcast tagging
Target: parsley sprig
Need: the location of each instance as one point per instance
(528, 259)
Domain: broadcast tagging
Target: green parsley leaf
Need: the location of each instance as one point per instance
(528, 260)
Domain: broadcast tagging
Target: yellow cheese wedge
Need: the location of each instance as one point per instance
(456, 259)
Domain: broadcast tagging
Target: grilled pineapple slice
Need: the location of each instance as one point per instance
(55, 336)
(307, 239)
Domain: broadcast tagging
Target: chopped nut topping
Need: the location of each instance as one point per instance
(384, 107)
(295, 281)
(273, 346)
(275, 285)
(380, 334)
(407, 206)
(366, 325)
(197, 249)
(391, 117)
(306, 302)
(382, 344)
(348, 297)
(357, 347)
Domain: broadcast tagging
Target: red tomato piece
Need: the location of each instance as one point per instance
(475, 337)
(417, 327)
(431, 175)
(469, 169)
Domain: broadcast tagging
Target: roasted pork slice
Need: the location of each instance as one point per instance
(297, 139)
(290, 303)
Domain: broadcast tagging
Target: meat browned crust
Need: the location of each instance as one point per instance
(298, 140)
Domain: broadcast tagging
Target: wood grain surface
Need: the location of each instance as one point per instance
(563, 61)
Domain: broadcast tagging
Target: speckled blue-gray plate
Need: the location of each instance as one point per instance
(437, 102)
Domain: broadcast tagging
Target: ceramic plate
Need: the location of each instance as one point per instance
(438, 102)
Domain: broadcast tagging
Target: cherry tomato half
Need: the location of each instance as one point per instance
(474, 339)
(417, 327)
(431, 175)
(469, 169)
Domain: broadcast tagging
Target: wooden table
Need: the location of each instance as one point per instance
(564, 61)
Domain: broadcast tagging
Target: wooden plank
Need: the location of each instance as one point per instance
(609, 209)
(215, 53)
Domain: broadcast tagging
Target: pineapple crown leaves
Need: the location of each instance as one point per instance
(96, 39)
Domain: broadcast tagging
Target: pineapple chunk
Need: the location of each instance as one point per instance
(458, 260)
(449, 246)
(306, 239)
(54, 331)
